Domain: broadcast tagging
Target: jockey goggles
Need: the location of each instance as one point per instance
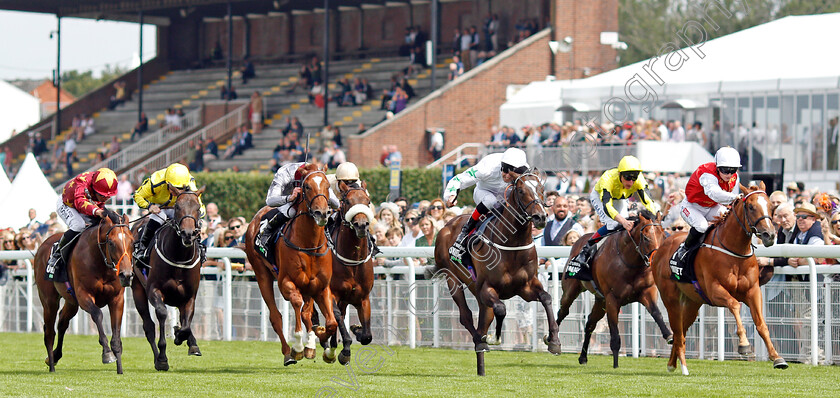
(506, 168)
(630, 175)
(727, 170)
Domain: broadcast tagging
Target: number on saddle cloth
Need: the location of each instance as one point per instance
(683, 271)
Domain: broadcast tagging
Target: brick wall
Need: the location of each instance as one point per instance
(467, 109)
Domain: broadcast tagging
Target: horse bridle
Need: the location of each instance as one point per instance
(748, 227)
(642, 238)
(519, 208)
(312, 199)
(342, 211)
(312, 251)
(177, 226)
(99, 244)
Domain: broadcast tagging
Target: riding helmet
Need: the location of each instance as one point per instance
(178, 175)
(347, 171)
(727, 157)
(629, 163)
(105, 182)
(516, 160)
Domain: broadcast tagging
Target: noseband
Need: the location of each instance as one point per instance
(638, 246)
(104, 252)
(749, 227)
(177, 226)
(312, 199)
(345, 207)
(519, 209)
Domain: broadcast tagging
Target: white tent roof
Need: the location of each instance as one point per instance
(29, 190)
(793, 48)
(18, 110)
(535, 103)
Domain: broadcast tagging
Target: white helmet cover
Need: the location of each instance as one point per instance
(515, 157)
(727, 157)
(347, 171)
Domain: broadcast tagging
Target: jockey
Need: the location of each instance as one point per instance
(711, 187)
(284, 190)
(490, 176)
(609, 200)
(83, 197)
(154, 194)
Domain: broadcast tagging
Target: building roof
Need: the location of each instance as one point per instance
(45, 92)
(792, 52)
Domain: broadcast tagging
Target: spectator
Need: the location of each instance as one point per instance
(256, 112)
(412, 228)
(388, 215)
(33, 223)
(555, 230)
(247, 71)
(88, 126)
(304, 79)
(119, 96)
(114, 147)
(465, 46)
(69, 154)
(39, 146)
(394, 155)
(214, 220)
(211, 150)
(360, 90)
(197, 157)
(435, 211)
(125, 191)
(229, 95)
(140, 127)
(293, 125)
(429, 233)
(436, 144)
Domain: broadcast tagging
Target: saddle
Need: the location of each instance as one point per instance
(61, 274)
(269, 255)
(683, 270)
(583, 270)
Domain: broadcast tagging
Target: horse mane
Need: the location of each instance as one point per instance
(113, 216)
(647, 214)
(309, 167)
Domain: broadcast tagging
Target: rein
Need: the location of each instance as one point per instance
(746, 226)
(176, 226)
(638, 246)
(346, 222)
(517, 211)
(99, 244)
(312, 251)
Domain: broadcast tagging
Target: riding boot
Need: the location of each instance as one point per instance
(142, 245)
(586, 252)
(457, 250)
(60, 254)
(267, 228)
(690, 242)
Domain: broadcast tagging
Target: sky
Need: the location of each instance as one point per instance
(27, 52)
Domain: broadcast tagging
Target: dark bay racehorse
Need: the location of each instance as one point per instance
(304, 265)
(727, 274)
(352, 277)
(621, 275)
(98, 270)
(505, 264)
(173, 277)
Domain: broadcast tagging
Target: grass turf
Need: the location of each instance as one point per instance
(256, 369)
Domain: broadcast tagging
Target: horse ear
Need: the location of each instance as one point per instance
(201, 190)
(761, 185)
(173, 191)
(342, 186)
(659, 216)
(364, 185)
(124, 219)
(745, 189)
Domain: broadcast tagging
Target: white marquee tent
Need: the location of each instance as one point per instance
(5, 184)
(18, 110)
(29, 190)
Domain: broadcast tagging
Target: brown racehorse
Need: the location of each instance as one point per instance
(173, 277)
(505, 263)
(352, 277)
(621, 275)
(305, 264)
(98, 270)
(727, 274)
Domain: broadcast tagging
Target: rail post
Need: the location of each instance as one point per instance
(228, 300)
(30, 302)
(815, 333)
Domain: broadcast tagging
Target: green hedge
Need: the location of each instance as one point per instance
(243, 194)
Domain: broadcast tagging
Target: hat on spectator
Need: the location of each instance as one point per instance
(395, 210)
(807, 208)
(792, 186)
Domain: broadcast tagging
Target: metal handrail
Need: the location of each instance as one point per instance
(177, 151)
(457, 152)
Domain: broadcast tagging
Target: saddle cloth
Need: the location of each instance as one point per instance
(269, 254)
(583, 271)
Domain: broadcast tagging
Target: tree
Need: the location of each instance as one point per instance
(81, 83)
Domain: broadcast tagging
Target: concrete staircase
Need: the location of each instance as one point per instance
(377, 71)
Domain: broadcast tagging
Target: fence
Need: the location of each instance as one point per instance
(802, 316)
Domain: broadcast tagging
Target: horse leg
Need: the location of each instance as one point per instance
(719, 295)
(116, 307)
(490, 298)
(325, 303)
(141, 303)
(597, 313)
(466, 316)
(266, 285)
(50, 305)
(613, 307)
(86, 302)
(340, 311)
(161, 362)
(753, 300)
(363, 334)
(185, 332)
(689, 314)
(571, 290)
(648, 299)
(306, 318)
(535, 291)
(292, 294)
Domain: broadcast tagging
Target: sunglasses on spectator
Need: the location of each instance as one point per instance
(835, 221)
(436, 207)
(235, 226)
(727, 170)
(227, 238)
(680, 228)
(803, 216)
(412, 220)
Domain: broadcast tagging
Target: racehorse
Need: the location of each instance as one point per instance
(173, 276)
(726, 271)
(99, 269)
(352, 267)
(504, 261)
(304, 265)
(621, 275)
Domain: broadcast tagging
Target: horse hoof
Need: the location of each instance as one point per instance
(108, 357)
(554, 348)
(482, 347)
(671, 369)
(343, 359)
(491, 340)
(685, 370)
(355, 329)
(670, 340)
(327, 358)
(297, 355)
(309, 353)
(194, 351)
(583, 360)
(779, 363)
(163, 366)
(744, 349)
(289, 360)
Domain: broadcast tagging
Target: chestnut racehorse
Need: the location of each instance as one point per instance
(621, 275)
(504, 258)
(99, 269)
(726, 271)
(304, 265)
(173, 277)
